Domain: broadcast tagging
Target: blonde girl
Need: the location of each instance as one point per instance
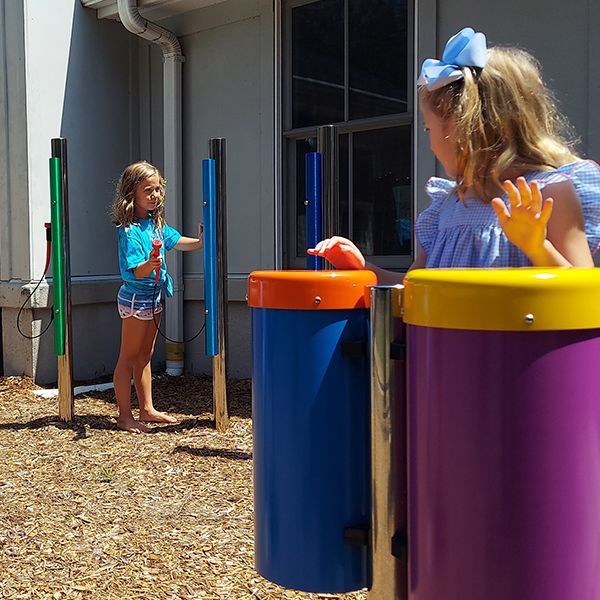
(516, 193)
(138, 213)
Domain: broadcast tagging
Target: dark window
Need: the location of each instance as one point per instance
(348, 63)
(301, 148)
(318, 63)
(344, 184)
(376, 57)
(381, 191)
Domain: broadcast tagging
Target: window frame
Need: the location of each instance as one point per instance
(289, 135)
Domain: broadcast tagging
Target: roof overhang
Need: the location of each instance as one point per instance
(151, 9)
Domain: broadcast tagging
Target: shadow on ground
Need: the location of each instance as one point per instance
(190, 395)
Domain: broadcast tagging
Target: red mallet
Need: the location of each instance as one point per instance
(156, 246)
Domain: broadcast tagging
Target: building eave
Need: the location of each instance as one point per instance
(152, 9)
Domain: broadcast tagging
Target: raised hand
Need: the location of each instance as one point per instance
(340, 252)
(525, 220)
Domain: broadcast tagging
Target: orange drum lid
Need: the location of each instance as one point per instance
(310, 290)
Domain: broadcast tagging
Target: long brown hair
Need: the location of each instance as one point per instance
(505, 118)
(123, 207)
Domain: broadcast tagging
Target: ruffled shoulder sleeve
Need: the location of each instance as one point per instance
(427, 226)
(585, 177)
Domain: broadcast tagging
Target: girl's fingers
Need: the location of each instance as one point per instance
(546, 210)
(524, 191)
(318, 247)
(536, 197)
(336, 240)
(322, 247)
(500, 210)
(328, 244)
(512, 192)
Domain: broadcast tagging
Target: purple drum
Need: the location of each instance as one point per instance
(503, 434)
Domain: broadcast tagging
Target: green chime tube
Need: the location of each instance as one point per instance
(58, 267)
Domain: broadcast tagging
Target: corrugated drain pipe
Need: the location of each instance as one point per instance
(172, 60)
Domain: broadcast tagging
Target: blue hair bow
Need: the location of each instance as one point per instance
(465, 49)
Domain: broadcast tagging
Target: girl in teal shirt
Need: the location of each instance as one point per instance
(138, 212)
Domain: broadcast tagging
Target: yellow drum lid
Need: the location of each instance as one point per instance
(520, 299)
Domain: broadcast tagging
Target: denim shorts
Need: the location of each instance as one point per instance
(138, 305)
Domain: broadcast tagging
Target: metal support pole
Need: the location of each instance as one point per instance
(385, 518)
(61, 280)
(327, 145)
(216, 151)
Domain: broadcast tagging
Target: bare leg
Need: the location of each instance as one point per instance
(142, 378)
(132, 336)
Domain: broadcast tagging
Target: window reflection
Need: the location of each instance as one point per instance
(376, 209)
(378, 48)
(302, 147)
(318, 63)
(343, 184)
(381, 182)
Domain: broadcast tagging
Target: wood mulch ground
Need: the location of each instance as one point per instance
(89, 511)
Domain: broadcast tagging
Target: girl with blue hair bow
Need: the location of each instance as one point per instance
(516, 194)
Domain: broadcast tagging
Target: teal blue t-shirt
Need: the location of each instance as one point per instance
(135, 245)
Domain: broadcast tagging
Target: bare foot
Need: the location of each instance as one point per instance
(154, 416)
(132, 426)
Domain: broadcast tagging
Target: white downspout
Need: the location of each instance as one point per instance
(172, 57)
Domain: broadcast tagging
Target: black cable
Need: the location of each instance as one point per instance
(158, 326)
(33, 337)
(48, 253)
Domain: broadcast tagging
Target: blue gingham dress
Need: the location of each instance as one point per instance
(467, 234)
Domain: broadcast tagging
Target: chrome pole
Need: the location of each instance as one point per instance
(385, 518)
(327, 145)
(216, 151)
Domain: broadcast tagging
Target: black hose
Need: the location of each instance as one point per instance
(157, 325)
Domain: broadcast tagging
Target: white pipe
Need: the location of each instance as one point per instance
(134, 22)
(82, 389)
(174, 210)
(173, 57)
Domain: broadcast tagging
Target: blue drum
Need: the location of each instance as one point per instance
(311, 427)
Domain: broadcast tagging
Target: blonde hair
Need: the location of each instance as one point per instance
(505, 118)
(123, 206)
